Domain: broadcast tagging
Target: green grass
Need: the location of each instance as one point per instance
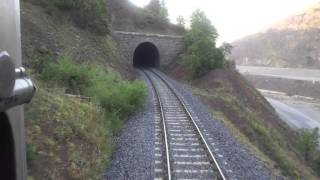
(67, 132)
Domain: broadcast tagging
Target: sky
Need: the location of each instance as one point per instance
(235, 19)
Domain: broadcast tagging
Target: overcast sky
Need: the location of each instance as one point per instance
(236, 18)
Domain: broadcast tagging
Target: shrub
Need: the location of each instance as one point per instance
(308, 143)
(31, 153)
(66, 73)
(116, 95)
(39, 62)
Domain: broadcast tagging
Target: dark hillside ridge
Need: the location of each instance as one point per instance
(127, 17)
(293, 42)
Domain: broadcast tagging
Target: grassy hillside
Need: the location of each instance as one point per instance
(250, 118)
(85, 91)
(67, 138)
(289, 43)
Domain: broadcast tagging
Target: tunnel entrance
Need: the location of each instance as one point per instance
(7, 157)
(146, 55)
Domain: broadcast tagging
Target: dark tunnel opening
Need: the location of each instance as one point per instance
(146, 55)
(7, 153)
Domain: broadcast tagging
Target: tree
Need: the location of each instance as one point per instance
(158, 9)
(226, 48)
(154, 6)
(181, 21)
(202, 53)
(164, 14)
(308, 143)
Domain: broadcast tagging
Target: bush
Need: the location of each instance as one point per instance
(118, 96)
(202, 54)
(39, 62)
(74, 77)
(31, 153)
(114, 94)
(308, 143)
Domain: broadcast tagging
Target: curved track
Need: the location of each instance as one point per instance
(181, 149)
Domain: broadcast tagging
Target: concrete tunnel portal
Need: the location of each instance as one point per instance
(146, 55)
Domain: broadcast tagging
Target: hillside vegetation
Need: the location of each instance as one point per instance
(293, 42)
(85, 92)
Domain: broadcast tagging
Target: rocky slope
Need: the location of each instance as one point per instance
(293, 42)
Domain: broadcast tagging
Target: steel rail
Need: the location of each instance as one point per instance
(163, 125)
(223, 177)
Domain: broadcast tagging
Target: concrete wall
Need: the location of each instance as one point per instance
(169, 46)
(10, 41)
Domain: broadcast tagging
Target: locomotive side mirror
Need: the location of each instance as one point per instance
(15, 87)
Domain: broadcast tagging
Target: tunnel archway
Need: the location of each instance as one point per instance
(7, 151)
(146, 55)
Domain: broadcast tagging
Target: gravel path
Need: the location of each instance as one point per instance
(134, 156)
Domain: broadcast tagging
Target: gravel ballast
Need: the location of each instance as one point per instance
(134, 155)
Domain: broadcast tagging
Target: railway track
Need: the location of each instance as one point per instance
(181, 150)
